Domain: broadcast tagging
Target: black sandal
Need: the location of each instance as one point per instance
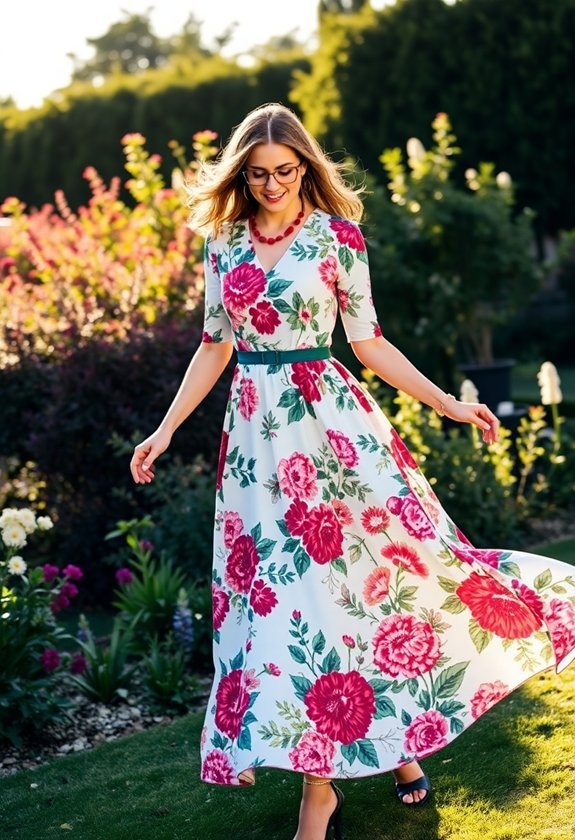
(403, 788)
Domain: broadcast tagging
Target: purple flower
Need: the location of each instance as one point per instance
(60, 602)
(69, 590)
(50, 572)
(73, 572)
(124, 576)
(146, 545)
(50, 659)
(78, 664)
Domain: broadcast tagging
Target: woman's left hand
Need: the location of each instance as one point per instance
(476, 413)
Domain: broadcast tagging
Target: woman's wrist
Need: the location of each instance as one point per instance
(443, 402)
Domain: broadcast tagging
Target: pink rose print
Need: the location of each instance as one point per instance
(347, 234)
(214, 264)
(295, 518)
(241, 287)
(375, 520)
(220, 605)
(207, 338)
(404, 645)
(232, 701)
(232, 527)
(343, 299)
(297, 476)
(401, 454)
(305, 375)
(272, 669)
(495, 608)
(263, 599)
(251, 681)
(353, 386)
(488, 557)
(222, 459)
(348, 641)
(486, 696)
(376, 586)
(264, 317)
(406, 557)
(249, 400)
(322, 536)
(426, 733)
(329, 272)
(411, 515)
(343, 448)
(341, 705)
(313, 754)
(560, 620)
(529, 597)
(217, 768)
(241, 564)
(342, 512)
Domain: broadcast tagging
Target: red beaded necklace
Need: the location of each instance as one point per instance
(271, 240)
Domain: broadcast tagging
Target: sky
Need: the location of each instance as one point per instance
(38, 34)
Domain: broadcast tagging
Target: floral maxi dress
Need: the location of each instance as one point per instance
(355, 628)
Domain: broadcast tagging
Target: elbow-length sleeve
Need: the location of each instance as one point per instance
(217, 326)
(354, 295)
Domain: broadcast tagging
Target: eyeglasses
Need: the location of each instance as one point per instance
(283, 175)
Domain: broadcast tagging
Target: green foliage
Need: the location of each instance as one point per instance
(165, 676)
(107, 675)
(460, 251)
(30, 598)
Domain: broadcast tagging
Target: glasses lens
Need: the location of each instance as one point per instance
(285, 175)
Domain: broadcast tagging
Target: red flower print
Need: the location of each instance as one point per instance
(529, 597)
(348, 641)
(264, 317)
(272, 669)
(348, 234)
(343, 299)
(489, 557)
(241, 564)
(404, 645)
(495, 608)
(295, 518)
(214, 264)
(343, 448)
(376, 586)
(401, 454)
(241, 286)
(341, 705)
(207, 338)
(232, 701)
(375, 519)
(305, 375)
(222, 459)
(232, 527)
(560, 621)
(263, 599)
(486, 696)
(297, 476)
(220, 605)
(248, 400)
(217, 768)
(342, 512)
(353, 385)
(426, 733)
(377, 333)
(329, 272)
(313, 754)
(322, 535)
(403, 555)
(411, 515)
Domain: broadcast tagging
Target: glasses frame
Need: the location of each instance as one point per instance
(294, 166)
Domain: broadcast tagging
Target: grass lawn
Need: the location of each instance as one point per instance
(561, 550)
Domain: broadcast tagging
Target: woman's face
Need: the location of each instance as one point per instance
(274, 194)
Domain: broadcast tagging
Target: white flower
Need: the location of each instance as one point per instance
(14, 536)
(415, 150)
(9, 516)
(503, 180)
(550, 384)
(17, 565)
(27, 519)
(468, 392)
(44, 523)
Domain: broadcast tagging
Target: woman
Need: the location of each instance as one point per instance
(355, 628)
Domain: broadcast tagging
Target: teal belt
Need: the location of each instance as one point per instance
(282, 357)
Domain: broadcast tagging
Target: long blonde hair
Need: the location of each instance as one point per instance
(217, 194)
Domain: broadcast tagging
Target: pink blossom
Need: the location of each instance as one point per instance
(217, 768)
(313, 754)
(297, 476)
(232, 527)
(124, 576)
(73, 572)
(50, 659)
(426, 733)
(50, 572)
(272, 669)
(486, 696)
(78, 664)
(248, 398)
(343, 448)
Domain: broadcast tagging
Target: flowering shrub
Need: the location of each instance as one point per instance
(30, 600)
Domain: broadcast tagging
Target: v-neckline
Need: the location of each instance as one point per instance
(287, 250)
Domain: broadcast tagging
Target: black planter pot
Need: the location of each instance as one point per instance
(493, 382)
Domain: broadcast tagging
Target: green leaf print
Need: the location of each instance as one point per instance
(289, 397)
(350, 751)
(297, 654)
(237, 661)
(479, 636)
(449, 680)
(265, 548)
(384, 707)
(245, 739)
(256, 533)
(447, 584)
(453, 605)
(318, 642)
(276, 287)
(284, 530)
(302, 561)
(339, 565)
(456, 725)
(296, 412)
(405, 717)
(366, 753)
(509, 567)
(345, 257)
(219, 741)
(301, 685)
(450, 707)
(331, 662)
(424, 700)
(543, 580)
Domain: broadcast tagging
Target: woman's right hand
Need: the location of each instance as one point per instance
(145, 453)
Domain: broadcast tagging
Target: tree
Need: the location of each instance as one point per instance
(341, 7)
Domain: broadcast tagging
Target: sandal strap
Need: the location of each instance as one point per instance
(403, 788)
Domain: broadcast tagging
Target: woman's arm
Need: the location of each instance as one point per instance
(389, 363)
(206, 367)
